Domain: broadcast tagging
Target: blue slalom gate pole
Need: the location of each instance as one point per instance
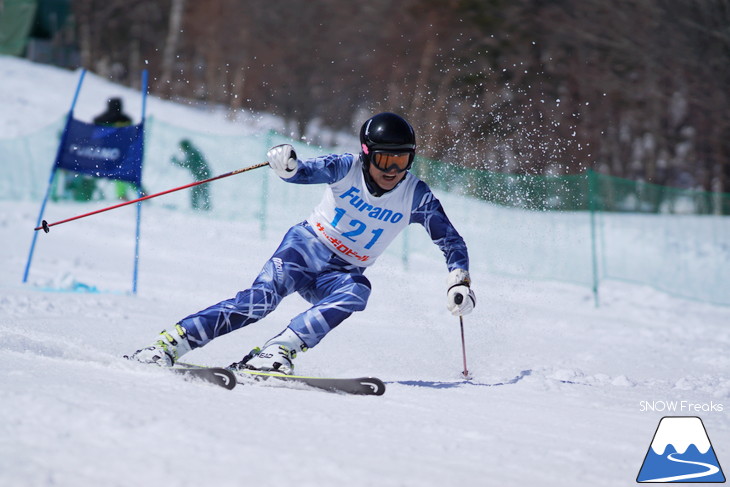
(61, 145)
(135, 273)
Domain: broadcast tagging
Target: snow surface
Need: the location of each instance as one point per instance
(560, 394)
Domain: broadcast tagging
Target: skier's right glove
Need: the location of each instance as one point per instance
(460, 297)
(283, 160)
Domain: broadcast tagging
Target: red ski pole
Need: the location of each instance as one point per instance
(46, 227)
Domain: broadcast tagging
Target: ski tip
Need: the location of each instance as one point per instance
(226, 378)
(377, 386)
(215, 375)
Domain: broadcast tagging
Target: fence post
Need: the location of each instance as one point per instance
(592, 190)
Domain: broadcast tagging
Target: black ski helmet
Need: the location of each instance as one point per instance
(387, 132)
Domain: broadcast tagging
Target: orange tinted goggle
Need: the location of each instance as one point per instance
(387, 161)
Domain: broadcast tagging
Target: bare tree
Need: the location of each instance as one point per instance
(634, 88)
(171, 46)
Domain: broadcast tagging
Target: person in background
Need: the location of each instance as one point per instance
(114, 116)
(194, 162)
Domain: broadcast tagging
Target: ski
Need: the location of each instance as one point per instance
(364, 386)
(214, 375)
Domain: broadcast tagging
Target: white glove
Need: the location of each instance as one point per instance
(283, 160)
(460, 298)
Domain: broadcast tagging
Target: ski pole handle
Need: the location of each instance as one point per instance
(45, 226)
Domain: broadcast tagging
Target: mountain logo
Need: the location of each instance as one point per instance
(681, 452)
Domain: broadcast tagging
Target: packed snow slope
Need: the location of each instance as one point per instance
(559, 395)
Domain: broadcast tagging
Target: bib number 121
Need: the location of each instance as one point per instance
(358, 228)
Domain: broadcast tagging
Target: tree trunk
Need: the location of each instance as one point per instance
(171, 42)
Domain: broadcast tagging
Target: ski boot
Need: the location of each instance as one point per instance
(277, 355)
(164, 352)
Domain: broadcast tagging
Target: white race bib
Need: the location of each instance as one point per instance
(356, 225)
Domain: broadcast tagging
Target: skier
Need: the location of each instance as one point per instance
(370, 198)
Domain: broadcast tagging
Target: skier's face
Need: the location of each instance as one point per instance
(386, 179)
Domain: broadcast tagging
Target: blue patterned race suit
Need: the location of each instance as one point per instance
(323, 260)
(335, 288)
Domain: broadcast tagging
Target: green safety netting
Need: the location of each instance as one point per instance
(583, 229)
(590, 227)
(586, 191)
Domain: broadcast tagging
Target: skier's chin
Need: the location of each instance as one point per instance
(388, 181)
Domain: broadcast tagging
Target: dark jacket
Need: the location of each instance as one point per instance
(113, 116)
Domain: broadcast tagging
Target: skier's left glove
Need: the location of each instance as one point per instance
(460, 298)
(283, 160)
